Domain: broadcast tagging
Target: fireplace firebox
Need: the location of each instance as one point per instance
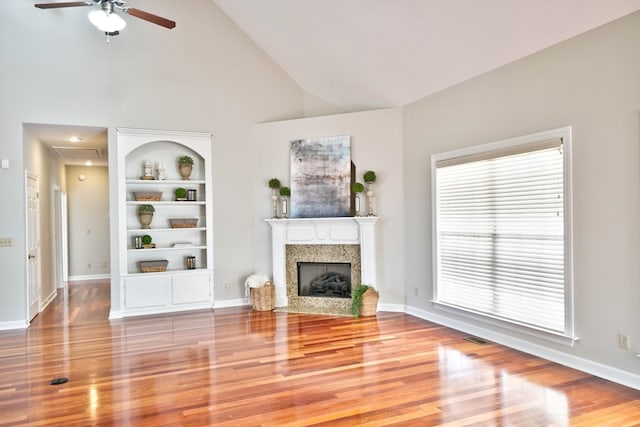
(324, 279)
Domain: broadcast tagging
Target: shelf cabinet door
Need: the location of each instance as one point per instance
(146, 291)
(190, 288)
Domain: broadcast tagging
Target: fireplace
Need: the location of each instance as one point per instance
(320, 256)
(324, 279)
(331, 241)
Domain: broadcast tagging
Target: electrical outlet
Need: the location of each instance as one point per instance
(225, 286)
(6, 241)
(623, 341)
(88, 265)
(415, 291)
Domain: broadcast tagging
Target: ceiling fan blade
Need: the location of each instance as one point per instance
(62, 4)
(150, 17)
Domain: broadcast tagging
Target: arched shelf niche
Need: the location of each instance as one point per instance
(186, 280)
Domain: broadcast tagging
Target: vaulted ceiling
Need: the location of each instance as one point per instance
(365, 54)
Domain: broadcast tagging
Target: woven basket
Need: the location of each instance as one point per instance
(147, 196)
(369, 306)
(183, 222)
(263, 298)
(154, 266)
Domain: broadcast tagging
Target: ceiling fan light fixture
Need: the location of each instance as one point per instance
(107, 22)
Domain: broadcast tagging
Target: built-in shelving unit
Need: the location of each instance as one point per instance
(181, 286)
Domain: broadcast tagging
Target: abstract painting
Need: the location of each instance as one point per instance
(321, 177)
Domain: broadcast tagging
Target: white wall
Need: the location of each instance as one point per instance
(376, 144)
(88, 216)
(591, 83)
(204, 75)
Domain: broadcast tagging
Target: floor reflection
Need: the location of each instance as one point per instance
(473, 391)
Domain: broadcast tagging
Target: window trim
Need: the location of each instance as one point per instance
(496, 149)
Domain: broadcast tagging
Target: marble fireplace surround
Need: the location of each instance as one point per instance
(345, 239)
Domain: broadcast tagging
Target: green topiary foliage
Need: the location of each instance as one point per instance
(146, 239)
(357, 187)
(274, 183)
(285, 191)
(185, 159)
(369, 177)
(146, 209)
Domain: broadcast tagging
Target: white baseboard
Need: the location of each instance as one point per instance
(394, 308)
(89, 277)
(18, 324)
(593, 368)
(115, 314)
(48, 300)
(231, 303)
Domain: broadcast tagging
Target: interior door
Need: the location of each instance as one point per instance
(33, 247)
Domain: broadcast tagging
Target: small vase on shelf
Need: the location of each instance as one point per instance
(371, 199)
(274, 204)
(357, 188)
(285, 192)
(285, 207)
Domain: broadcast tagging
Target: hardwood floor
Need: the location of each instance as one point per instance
(237, 367)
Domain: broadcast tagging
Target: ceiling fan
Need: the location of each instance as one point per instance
(106, 19)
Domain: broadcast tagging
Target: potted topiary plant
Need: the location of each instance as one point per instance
(146, 242)
(185, 166)
(274, 185)
(370, 177)
(181, 194)
(357, 188)
(364, 301)
(145, 215)
(285, 192)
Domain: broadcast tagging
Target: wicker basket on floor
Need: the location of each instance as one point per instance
(369, 306)
(263, 298)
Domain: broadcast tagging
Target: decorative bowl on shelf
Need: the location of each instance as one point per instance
(183, 222)
(153, 266)
(142, 196)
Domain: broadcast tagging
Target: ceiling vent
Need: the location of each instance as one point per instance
(74, 153)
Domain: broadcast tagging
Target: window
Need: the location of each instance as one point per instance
(502, 246)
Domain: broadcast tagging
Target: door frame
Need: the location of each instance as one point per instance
(60, 242)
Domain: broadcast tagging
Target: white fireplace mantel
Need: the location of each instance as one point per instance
(322, 231)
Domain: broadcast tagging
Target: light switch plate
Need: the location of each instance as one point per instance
(5, 163)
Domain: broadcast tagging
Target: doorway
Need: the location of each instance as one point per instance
(49, 150)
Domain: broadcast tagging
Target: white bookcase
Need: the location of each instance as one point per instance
(179, 287)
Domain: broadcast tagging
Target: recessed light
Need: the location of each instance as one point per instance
(74, 139)
(88, 163)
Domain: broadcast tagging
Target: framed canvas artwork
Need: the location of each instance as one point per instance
(321, 177)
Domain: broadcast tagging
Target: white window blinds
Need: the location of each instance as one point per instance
(500, 234)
